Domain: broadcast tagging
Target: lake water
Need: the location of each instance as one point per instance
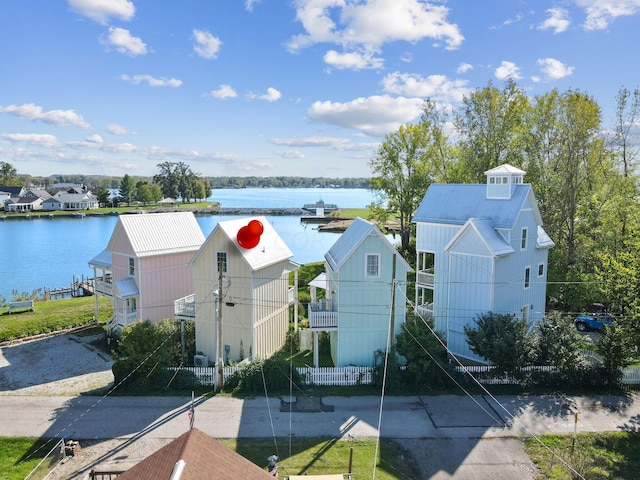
(52, 253)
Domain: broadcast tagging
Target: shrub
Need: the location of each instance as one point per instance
(270, 376)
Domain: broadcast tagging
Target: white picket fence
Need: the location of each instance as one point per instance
(315, 376)
(330, 376)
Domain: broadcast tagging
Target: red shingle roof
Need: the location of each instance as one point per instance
(204, 456)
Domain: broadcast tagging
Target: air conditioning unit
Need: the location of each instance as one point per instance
(200, 361)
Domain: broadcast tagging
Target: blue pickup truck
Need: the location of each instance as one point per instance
(593, 322)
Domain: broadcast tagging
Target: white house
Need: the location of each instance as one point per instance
(480, 248)
(364, 304)
(245, 290)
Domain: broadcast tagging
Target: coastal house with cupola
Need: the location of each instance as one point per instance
(480, 248)
(245, 292)
(364, 300)
(145, 265)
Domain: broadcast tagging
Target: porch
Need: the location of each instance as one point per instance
(322, 315)
(425, 277)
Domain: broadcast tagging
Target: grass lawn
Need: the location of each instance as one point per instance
(611, 455)
(13, 453)
(52, 315)
(317, 456)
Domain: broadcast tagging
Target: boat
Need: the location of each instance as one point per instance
(320, 208)
(79, 214)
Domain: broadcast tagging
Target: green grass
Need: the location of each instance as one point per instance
(611, 455)
(329, 456)
(14, 464)
(313, 455)
(353, 213)
(53, 315)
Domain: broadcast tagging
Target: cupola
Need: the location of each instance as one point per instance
(502, 180)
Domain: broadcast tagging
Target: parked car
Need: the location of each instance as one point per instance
(593, 322)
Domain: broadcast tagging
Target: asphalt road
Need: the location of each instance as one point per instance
(449, 437)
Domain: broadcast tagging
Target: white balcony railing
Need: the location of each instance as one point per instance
(104, 286)
(322, 314)
(292, 295)
(125, 319)
(185, 307)
(425, 277)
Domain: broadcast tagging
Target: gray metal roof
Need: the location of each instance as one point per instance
(161, 233)
(494, 242)
(127, 287)
(351, 239)
(103, 260)
(454, 204)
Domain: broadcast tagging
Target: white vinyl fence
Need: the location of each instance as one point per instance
(312, 376)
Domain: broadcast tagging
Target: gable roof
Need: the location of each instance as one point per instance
(493, 241)
(352, 237)
(203, 456)
(270, 249)
(159, 233)
(454, 204)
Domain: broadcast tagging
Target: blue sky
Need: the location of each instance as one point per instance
(278, 87)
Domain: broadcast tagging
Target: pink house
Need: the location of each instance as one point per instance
(145, 266)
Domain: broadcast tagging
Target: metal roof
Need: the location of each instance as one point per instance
(496, 244)
(454, 204)
(103, 259)
(127, 287)
(270, 249)
(349, 241)
(161, 233)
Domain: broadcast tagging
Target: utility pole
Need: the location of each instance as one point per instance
(219, 359)
(392, 327)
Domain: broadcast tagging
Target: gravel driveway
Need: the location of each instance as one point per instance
(66, 364)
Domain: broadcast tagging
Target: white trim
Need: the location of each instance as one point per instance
(366, 265)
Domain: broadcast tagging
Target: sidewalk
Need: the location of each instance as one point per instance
(457, 434)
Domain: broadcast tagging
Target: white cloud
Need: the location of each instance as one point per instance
(272, 95)
(371, 24)
(42, 140)
(115, 129)
(600, 13)
(507, 70)
(558, 20)
(352, 60)
(222, 92)
(151, 81)
(31, 111)
(95, 138)
(554, 69)
(436, 87)
(295, 154)
(207, 46)
(336, 143)
(376, 115)
(248, 5)
(124, 42)
(464, 68)
(102, 10)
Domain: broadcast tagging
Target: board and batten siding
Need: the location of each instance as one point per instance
(364, 305)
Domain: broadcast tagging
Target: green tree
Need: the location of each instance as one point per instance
(423, 348)
(558, 343)
(616, 349)
(103, 196)
(400, 177)
(502, 340)
(8, 174)
(167, 179)
(491, 124)
(127, 189)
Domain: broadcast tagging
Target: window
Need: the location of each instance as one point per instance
(132, 267)
(541, 269)
(221, 259)
(492, 180)
(527, 277)
(505, 180)
(131, 305)
(373, 265)
(523, 239)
